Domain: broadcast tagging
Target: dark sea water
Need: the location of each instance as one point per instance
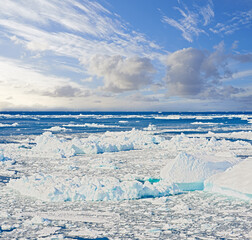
(35, 123)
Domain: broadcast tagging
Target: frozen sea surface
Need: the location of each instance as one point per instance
(125, 175)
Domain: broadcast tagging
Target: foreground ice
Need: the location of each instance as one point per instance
(189, 172)
(5, 161)
(57, 188)
(235, 181)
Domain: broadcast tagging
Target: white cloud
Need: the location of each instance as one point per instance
(120, 73)
(241, 74)
(138, 97)
(183, 77)
(236, 21)
(194, 73)
(207, 13)
(24, 85)
(191, 21)
(80, 29)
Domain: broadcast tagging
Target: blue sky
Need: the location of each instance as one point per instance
(126, 55)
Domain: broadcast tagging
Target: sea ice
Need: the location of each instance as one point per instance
(5, 161)
(9, 125)
(56, 129)
(61, 189)
(235, 181)
(1, 156)
(91, 125)
(189, 172)
(150, 128)
(108, 142)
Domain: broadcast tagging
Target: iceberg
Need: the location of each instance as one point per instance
(235, 181)
(108, 142)
(61, 189)
(189, 172)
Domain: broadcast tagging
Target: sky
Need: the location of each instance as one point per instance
(126, 55)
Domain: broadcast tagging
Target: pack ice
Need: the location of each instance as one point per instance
(189, 172)
(108, 142)
(58, 188)
(199, 162)
(235, 181)
(209, 165)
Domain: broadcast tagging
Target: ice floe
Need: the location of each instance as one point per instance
(9, 125)
(56, 129)
(150, 128)
(57, 188)
(205, 123)
(108, 142)
(91, 125)
(235, 181)
(189, 172)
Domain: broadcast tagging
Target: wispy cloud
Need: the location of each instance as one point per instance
(237, 21)
(78, 28)
(192, 21)
(75, 30)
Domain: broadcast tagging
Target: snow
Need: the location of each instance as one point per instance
(108, 142)
(59, 189)
(235, 181)
(189, 172)
(5, 161)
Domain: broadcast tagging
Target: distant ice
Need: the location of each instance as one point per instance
(150, 128)
(56, 129)
(9, 125)
(205, 123)
(168, 117)
(202, 145)
(91, 125)
(108, 142)
(232, 135)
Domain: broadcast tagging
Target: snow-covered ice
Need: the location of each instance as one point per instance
(108, 142)
(60, 189)
(235, 181)
(189, 172)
